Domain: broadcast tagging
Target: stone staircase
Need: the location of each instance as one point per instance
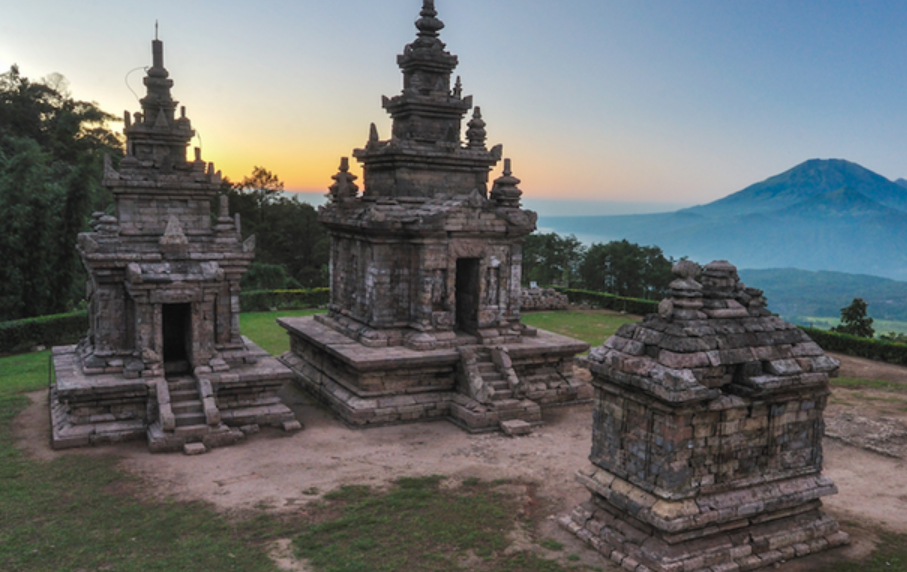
(502, 409)
(493, 378)
(185, 421)
(187, 407)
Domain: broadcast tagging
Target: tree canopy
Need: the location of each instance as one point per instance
(287, 232)
(854, 320)
(549, 258)
(626, 269)
(50, 168)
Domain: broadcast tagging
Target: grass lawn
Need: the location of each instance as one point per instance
(590, 326)
(262, 328)
(80, 513)
(417, 526)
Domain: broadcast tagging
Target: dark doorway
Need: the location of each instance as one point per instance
(467, 294)
(176, 330)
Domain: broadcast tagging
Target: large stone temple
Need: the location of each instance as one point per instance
(424, 318)
(707, 435)
(164, 358)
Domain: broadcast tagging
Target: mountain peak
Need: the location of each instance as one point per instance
(808, 179)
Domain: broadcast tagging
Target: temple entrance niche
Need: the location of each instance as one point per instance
(467, 294)
(176, 330)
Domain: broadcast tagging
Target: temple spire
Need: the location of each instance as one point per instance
(428, 24)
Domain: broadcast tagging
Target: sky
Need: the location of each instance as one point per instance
(638, 104)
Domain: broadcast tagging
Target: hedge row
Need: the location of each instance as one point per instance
(264, 300)
(873, 349)
(55, 329)
(610, 301)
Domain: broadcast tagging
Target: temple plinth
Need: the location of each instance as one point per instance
(424, 319)
(164, 358)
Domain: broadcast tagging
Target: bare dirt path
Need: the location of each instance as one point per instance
(273, 471)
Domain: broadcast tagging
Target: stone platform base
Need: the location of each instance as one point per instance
(367, 386)
(733, 531)
(102, 408)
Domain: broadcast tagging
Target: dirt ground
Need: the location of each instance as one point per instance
(278, 472)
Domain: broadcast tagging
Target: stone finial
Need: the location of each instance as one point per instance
(224, 206)
(475, 134)
(343, 188)
(372, 137)
(458, 88)
(505, 191)
(685, 293)
(719, 279)
(722, 290)
(225, 223)
(428, 24)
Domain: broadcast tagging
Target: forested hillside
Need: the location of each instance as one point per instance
(51, 150)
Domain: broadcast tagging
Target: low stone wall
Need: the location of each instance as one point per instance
(538, 299)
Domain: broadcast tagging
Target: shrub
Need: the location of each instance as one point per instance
(53, 329)
(879, 350)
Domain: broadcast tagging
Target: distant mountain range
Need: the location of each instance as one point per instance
(830, 215)
(800, 294)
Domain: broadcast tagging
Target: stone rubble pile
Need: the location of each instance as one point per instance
(542, 299)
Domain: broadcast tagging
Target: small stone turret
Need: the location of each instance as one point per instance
(707, 434)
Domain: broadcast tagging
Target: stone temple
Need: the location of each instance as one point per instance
(707, 435)
(164, 358)
(424, 318)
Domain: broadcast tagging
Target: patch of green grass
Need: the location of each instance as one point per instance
(78, 512)
(590, 326)
(262, 328)
(24, 372)
(551, 544)
(417, 525)
(859, 383)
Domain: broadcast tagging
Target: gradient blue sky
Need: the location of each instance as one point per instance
(670, 101)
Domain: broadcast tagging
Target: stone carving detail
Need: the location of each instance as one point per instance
(423, 263)
(707, 434)
(164, 358)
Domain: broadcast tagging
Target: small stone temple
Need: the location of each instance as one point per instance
(164, 358)
(707, 435)
(424, 318)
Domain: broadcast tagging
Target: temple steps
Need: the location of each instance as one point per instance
(192, 432)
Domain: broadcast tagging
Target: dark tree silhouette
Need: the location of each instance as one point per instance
(854, 320)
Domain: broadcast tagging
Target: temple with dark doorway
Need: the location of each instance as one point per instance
(164, 358)
(424, 318)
